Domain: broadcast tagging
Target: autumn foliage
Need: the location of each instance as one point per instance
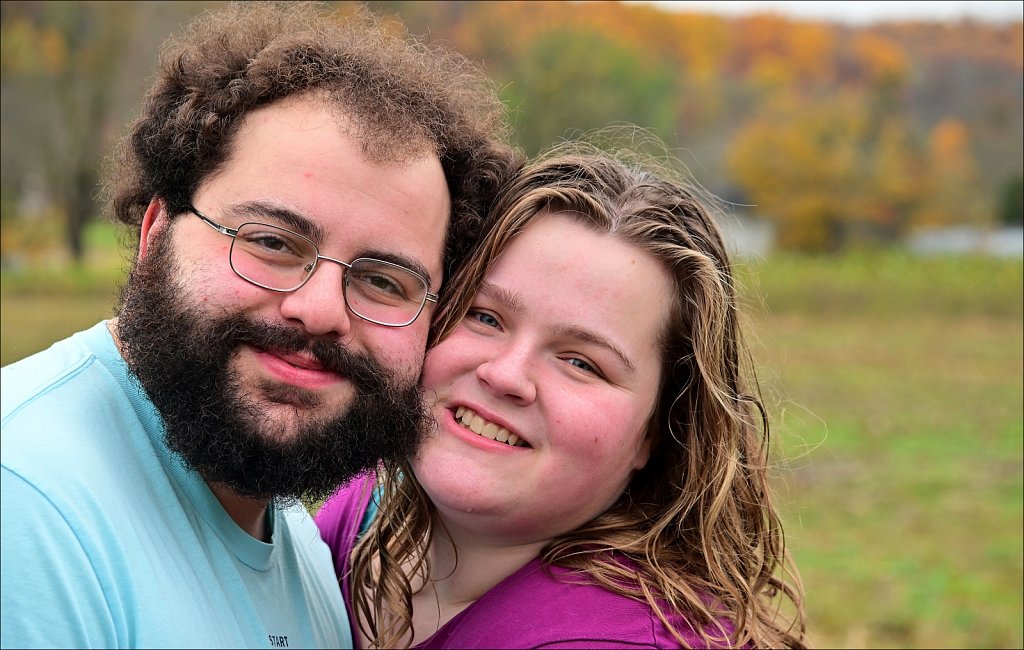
(839, 135)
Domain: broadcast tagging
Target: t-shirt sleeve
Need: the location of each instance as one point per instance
(50, 593)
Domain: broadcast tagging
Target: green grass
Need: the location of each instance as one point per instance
(896, 386)
(903, 504)
(886, 284)
(896, 393)
(44, 297)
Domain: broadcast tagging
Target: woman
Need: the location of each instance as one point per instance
(597, 476)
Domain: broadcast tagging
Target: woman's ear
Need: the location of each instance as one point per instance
(643, 451)
(153, 222)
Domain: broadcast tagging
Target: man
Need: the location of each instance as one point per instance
(300, 188)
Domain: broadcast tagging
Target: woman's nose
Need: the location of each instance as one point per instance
(510, 374)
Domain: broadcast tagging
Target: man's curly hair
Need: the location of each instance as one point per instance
(403, 97)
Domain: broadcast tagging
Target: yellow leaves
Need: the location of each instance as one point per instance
(811, 47)
(823, 170)
(951, 178)
(771, 72)
(504, 30)
(949, 144)
(30, 49)
(775, 50)
(819, 168)
(882, 59)
(701, 41)
(796, 143)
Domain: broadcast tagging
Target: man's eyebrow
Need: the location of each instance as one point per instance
(508, 298)
(400, 260)
(592, 337)
(305, 226)
(282, 216)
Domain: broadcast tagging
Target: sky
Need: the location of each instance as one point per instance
(860, 13)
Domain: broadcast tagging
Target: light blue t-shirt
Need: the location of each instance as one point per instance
(108, 540)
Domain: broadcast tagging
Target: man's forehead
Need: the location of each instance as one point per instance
(302, 166)
(381, 141)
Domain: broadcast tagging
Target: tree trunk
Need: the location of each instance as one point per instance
(80, 209)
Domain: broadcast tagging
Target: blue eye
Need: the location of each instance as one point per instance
(582, 365)
(483, 318)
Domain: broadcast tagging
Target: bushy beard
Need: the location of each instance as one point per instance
(182, 358)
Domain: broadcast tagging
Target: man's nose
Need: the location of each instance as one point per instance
(319, 305)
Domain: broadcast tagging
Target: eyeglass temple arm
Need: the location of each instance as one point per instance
(213, 224)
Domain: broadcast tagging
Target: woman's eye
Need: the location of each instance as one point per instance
(582, 365)
(483, 318)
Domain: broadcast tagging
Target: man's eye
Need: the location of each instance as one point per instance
(269, 242)
(384, 283)
(379, 283)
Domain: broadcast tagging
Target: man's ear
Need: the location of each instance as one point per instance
(153, 222)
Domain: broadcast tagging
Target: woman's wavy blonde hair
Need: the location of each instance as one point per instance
(697, 521)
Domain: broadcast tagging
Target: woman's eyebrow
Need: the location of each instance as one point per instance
(508, 298)
(592, 337)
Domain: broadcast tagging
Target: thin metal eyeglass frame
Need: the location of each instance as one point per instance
(233, 233)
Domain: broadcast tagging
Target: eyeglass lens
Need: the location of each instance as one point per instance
(279, 259)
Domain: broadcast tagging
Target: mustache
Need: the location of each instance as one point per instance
(181, 355)
(361, 369)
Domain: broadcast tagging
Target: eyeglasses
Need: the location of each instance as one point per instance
(281, 260)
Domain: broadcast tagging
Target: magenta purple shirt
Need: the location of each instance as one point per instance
(538, 606)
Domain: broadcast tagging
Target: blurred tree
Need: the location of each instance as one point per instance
(879, 60)
(911, 114)
(831, 172)
(60, 61)
(578, 80)
(698, 79)
(769, 48)
(72, 73)
(894, 180)
(1011, 205)
(951, 195)
(801, 164)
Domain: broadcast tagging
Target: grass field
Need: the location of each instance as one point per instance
(896, 387)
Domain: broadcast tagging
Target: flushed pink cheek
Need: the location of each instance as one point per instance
(600, 437)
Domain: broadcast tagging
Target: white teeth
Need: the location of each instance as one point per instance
(477, 424)
(490, 430)
(482, 427)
